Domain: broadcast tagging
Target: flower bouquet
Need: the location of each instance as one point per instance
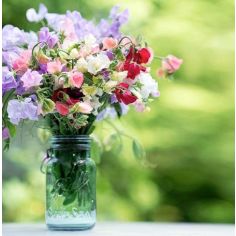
(67, 76)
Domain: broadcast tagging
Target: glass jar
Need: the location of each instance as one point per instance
(70, 184)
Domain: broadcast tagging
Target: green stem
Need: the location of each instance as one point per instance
(6, 100)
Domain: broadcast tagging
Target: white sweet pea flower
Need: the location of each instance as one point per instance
(94, 103)
(110, 85)
(119, 75)
(89, 40)
(97, 63)
(149, 85)
(74, 53)
(33, 16)
(82, 65)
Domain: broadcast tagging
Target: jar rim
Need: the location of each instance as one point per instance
(82, 141)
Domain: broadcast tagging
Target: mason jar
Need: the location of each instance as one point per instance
(70, 184)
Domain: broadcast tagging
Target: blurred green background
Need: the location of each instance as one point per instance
(188, 135)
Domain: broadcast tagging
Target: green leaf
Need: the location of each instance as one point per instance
(69, 198)
(118, 109)
(138, 150)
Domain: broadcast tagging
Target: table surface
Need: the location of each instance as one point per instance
(125, 229)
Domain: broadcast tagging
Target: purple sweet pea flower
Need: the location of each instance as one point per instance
(8, 80)
(15, 38)
(43, 68)
(110, 55)
(113, 99)
(31, 79)
(47, 37)
(118, 19)
(18, 110)
(33, 16)
(110, 112)
(5, 133)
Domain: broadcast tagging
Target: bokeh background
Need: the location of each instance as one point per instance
(188, 135)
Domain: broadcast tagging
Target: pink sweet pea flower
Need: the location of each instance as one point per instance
(62, 108)
(31, 79)
(54, 67)
(69, 30)
(76, 79)
(109, 43)
(171, 64)
(21, 63)
(84, 107)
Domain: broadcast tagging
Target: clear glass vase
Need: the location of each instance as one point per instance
(70, 184)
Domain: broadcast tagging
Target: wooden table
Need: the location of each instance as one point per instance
(125, 229)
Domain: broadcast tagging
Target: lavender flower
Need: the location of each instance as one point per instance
(8, 80)
(118, 19)
(18, 110)
(5, 133)
(47, 37)
(31, 79)
(14, 38)
(33, 16)
(110, 112)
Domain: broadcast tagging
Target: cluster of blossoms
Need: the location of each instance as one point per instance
(74, 72)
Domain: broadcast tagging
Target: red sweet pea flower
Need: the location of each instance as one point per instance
(132, 68)
(130, 55)
(143, 56)
(65, 98)
(124, 95)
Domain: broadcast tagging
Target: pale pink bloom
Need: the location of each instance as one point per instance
(69, 29)
(76, 79)
(21, 63)
(31, 79)
(109, 43)
(84, 107)
(54, 66)
(171, 64)
(139, 106)
(95, 49)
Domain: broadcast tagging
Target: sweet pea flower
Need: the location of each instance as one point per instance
(54, 67)
(62, 108)
(97, 63)
(76, 79)
(5, 133)
(21, 63)
(33, 16)
(144, 56)
(149, 85)
(109, 43)
(31, 79)
(8, 80)
(82, 65)
(84, 107)
(139, 106)
(171, 64)
(47, 37)
(18, 110)
(67, 26)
